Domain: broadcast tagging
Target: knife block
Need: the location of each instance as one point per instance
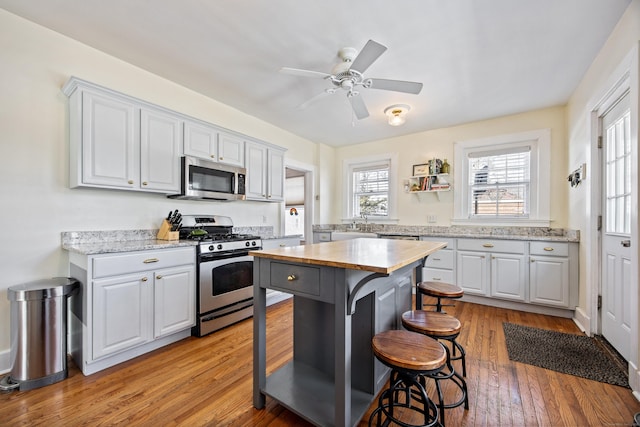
(165, 232)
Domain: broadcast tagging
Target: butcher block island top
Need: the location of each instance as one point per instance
(375, 255)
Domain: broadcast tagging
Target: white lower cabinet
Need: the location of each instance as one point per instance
(537, 273)
(440, 266)
(492, 268)
(551, 276)
(130, 303)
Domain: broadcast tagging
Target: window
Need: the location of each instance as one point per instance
(504, 180)
(370, 184)
(499, 183)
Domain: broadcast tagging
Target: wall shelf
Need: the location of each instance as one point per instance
(424, 184)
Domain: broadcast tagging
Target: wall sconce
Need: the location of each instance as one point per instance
(396, 114)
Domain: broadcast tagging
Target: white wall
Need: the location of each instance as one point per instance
(582, 203)
(36, 202)
(418, 148)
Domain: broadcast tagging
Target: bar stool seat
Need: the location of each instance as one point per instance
(437, 290)
(411, 357)
(442, 326)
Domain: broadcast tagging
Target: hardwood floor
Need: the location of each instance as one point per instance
(208, 382)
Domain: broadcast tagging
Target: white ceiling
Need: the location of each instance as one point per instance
(478, 59)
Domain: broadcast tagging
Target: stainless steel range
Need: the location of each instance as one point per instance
(224, 271)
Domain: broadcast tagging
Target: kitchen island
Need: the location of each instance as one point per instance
(344, 293)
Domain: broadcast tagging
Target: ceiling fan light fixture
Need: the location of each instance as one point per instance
(396, 114)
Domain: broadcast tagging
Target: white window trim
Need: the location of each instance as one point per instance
(347, 178)
(539, 215)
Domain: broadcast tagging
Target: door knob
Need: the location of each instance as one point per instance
(626, 243)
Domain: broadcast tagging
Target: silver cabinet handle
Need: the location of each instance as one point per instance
(487, 245)
(436, 259)
(626, 243)
(150, 260)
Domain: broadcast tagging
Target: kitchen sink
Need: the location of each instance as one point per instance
(346, 235)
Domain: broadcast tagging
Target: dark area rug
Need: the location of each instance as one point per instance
(577, 355)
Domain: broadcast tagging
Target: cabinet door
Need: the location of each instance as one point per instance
(549, 281)
(472, 272)
(508, 278)
(275, 180)
(230, 149)
(175, 300)
(122, 313)
(160, 142)
(109, 143)
(256, 164)
(200, 141)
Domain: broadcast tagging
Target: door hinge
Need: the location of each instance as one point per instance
(600, 141)
(599, 222)
(599, 302)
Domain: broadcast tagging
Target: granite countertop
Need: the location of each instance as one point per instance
(112, 241)
(103, 242)
(376, 255)
(469, 232)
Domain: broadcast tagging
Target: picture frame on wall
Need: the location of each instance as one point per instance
(421, 170)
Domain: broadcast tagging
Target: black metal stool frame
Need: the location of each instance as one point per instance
(413, 383)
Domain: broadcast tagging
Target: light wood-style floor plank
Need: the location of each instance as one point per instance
(208, 382)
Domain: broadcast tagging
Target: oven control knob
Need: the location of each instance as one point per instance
(253, 243)
(219, 247)
(211, 248)
(247, 244)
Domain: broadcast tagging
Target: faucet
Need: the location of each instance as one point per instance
(364, 216)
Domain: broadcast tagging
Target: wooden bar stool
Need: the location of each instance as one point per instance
(437, 290)
(442, 326)
(411, 357)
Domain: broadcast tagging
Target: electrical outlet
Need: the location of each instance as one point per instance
(432, 218)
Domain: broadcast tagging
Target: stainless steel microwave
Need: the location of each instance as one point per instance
(202, 180)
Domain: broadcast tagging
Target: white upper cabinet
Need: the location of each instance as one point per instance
(160, 141)
(210, 143)
(230, 149)
(118, 142)
(265, 172)
(107, 142)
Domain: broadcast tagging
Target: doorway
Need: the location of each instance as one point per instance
(298, 206)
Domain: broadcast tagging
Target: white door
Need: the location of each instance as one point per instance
(616, 230)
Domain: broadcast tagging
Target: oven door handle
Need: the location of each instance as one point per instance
(222, 255)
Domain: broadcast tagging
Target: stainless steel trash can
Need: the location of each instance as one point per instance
(39, 332)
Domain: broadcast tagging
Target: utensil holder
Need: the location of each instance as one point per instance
(165, 232)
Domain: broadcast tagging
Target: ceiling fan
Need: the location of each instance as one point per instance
(348, 76)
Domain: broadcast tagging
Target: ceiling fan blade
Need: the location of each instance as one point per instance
(367, 56)
(359, 108)
(396, 85)
(315, 98)
(304, 73)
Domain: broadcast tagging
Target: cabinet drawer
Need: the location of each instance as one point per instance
(450, 241)
(490, 245)
(549, 248)
(440, 259)
(132, 262)
(437, 275)
(322, 237)
(295, 278)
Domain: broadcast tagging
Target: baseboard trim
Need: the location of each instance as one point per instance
(514, 305)
(634, 380)
(583, 321)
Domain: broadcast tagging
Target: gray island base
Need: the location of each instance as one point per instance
(344, 293)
